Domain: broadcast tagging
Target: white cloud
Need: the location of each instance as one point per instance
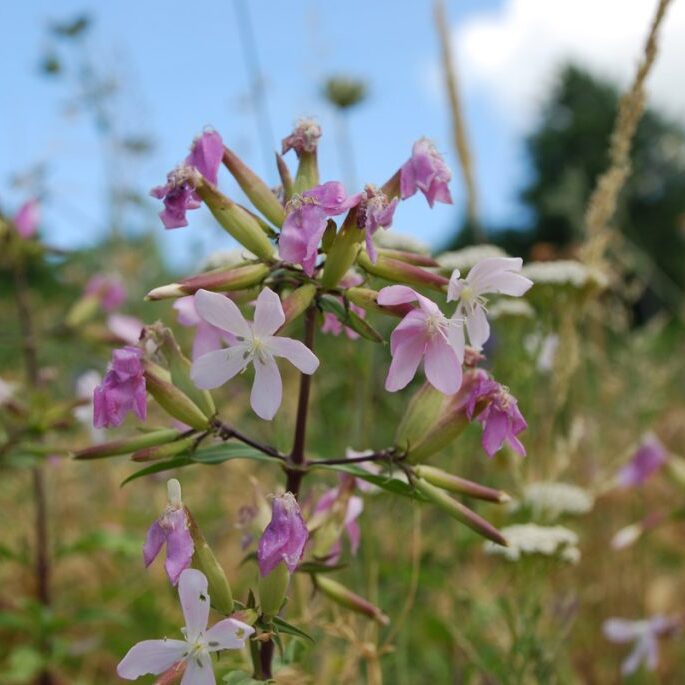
(512, 54)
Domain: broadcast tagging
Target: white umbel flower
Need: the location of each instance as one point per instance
(468, 257)
(553, 500)
(529, 539)
(565, 272)
(392, 240)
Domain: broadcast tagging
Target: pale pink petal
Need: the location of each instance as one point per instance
(455, 337)
(485, 273)
(185, 307)
(267, 389)
(442, 366)
(192, 590)
(228, 634)
(296, 352)
(455, 286)
(154, 540)
(477, 326)
(215, 368)
(199, 671)
(268, 315)
(412, 326)
(619, 630)
(151, 656)
(641, 652)
(221, 312)
(508, 283)
(405, 361)
(397, 294)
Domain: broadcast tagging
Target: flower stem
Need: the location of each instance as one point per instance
(227, 432)
(296, 458)
(42, 563)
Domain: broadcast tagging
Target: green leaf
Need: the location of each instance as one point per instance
(385, 482)
(350, 319)
(289, 629)
(318, 567)
(158, 467)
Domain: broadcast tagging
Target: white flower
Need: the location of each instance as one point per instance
(255, 344)
(556, 499)
(468, 257)
(226, 259)
(509, 307)
(530, 539)
(158, 656)
(495, 275)
(565, 272)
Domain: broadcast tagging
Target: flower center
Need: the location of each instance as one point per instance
(435, 324)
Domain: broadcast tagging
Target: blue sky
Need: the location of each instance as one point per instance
(182, 67)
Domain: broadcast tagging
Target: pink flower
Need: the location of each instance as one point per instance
(27, 218)
(330, 503)
(304, 138)
(375, 211)
(126, 328)
(109, 290)
(306, 221)
(255, 344)
(207, 337)
(649, 457)
(645, 636)
(158, 656)
(426, 171)
(179, 191)
(494, 275)
(423, 334)
(122, 390)
(501, 419)
(171, 529)
(284, 538)
(331, 323)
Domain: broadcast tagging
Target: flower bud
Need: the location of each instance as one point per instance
(218, 280)
(171, 449)
(367, 299)
(129, 445)
(297, 302)
(179, 368)
(424, 408)
(204, 559)
(402, 272)
(409, 257)
(286, 178)
(343, 252)
(346, 598)
(259, 193)
(236, 221)
(84, 309)
(458, 511)
(172, 399)
(461, 486)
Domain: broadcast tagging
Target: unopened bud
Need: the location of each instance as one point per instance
(219, 588)
(343, 252)
(129, 445)
(286, 178)
(409, 257)
(218, 280)
(259, 193)
(172, 399)
(158, 452)
(84, 309)
(236, 221)
(173, 489)
(402, 272)
(297, 302)
(461, 486)
(345, 597)
(423, 410)
(458, 511)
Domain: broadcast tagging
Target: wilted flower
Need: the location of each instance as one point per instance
(501, 418)
(496, 275)
(27, 218)
(284, 538)
(172, 529)
(649, 457)
(304, 138)
(340, 502)
(109, 290)
(122, 390)
(426, 171)
(529, 539)
(375, 211)
(423, 334)
(644, 634)
(306, 220)
(255, 344)
(207, 337)
(157, 656)
(179, 191)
